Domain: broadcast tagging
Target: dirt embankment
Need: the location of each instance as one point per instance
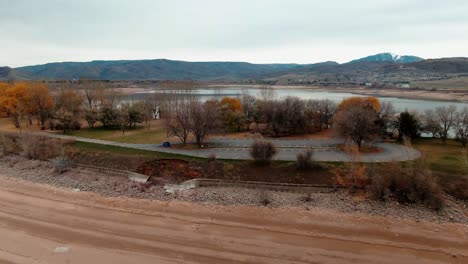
(42, 224)
(342, 201)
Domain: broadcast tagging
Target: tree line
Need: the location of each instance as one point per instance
(68, 106)
(275, 117)
(359, 119)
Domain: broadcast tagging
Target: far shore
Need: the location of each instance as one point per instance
(450, 96)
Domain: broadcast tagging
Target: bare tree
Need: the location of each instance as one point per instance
(358, 123)
(319, 114)
(250, 109)
(174, 93)
(91, 116)
(203, 119)
(440, 121)
(294, 113)
(461, 126)
(92, 91)
(146, 109)
(179, 123)
(91, 98)
(327, 110)
(109, 98)
(429, 123)
(312, 115)
(266, 93)
(274, 115)
(386, 116)
(122, 117)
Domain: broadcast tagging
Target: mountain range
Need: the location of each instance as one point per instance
(383, 67)
(389, 57)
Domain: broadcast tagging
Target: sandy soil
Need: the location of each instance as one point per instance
(43, 224)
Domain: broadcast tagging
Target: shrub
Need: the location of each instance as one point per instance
(307, 198)
(262, 152)
(212, 165)
(458, 188)
(264, 198)
(304, 160)
(8, 145)
(145, 186)
(76, 125)
(39, 147)
(212, 157)
(407, 186)
(61, 164)
(379, 188)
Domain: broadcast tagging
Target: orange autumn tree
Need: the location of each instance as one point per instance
(14, 101)
(358, 119)
(233, 104)
(68, 108)
(3, 87)
(232, 114)
(41, 103)
(360, 101)
(26, 99)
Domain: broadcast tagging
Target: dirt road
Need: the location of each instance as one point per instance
(42, 224)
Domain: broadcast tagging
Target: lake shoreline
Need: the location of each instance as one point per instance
(427, 95)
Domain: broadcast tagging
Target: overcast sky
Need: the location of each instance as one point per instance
(259, 31)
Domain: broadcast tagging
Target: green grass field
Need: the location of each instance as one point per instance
(450, 158)
(92, 147)
(138, 135)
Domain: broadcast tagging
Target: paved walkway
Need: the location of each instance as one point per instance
(223, 148)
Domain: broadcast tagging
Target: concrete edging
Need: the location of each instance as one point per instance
(281, 187)
(133, 176)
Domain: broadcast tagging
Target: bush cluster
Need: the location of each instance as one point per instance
(61, 164)
(30, 146)
(407, 186)
(304, 161)
(262, 152)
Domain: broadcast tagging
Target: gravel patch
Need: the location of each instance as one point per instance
(455, 211)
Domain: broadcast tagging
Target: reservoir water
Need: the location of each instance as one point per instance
(400, 104)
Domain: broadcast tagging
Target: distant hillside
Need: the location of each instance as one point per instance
(443, 66)
(380, 68)
(389, 57)
(362, 71)
(153, 70)
(7, 73)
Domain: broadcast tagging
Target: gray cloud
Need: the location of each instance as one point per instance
(303, 31)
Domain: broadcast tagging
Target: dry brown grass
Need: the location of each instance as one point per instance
(407, 185)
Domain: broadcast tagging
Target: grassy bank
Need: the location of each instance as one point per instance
(107, 149)
(137, 135)
(449, 158)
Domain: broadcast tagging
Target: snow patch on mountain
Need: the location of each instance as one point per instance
(389, 57)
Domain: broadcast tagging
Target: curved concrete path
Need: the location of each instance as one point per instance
(223, 148)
